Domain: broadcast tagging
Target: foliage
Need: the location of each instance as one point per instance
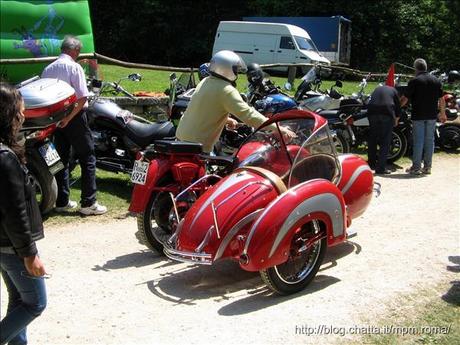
(182, 33)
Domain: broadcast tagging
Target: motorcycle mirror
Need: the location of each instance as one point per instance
(288, 86)
(172, 76)
(338, 83)
(96, 83)
(135, 77)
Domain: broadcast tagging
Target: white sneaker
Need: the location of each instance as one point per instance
(94, 209)
(71, 205)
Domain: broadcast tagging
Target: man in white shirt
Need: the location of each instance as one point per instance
(74, 132)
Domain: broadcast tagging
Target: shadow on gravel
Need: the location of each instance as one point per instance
(453, 295)
(188, 284)
(337, 252)
(265, 298)
(138, 259)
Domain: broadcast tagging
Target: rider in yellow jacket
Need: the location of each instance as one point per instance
(214, 99)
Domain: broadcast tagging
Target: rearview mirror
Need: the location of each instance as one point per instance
(338, 83)
(172, 76)
(288, 86)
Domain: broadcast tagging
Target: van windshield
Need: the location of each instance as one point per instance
(305, 43)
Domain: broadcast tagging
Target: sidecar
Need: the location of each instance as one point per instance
(281, 208)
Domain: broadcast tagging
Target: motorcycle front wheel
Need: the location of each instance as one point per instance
(398, 146)
(302, 265)
(341, 143)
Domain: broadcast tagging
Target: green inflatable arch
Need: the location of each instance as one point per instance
(34, 29)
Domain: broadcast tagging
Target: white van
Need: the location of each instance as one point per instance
(267, 43)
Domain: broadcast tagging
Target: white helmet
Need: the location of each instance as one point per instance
(227, 64)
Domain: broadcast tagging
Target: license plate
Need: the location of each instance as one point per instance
(139, 173)
(49, 153)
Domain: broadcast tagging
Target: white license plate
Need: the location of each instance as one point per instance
(139, 173)
(49, 153)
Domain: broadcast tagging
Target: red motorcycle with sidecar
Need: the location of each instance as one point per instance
(279, 209)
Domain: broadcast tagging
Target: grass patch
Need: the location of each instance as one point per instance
(113, 191)
(425, 317)
(158, 81)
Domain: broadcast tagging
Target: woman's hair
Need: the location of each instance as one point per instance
(10, 118)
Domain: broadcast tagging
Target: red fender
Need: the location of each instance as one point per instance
(141, 193)
(269, 238)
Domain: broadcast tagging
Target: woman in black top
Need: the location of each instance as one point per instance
(20, 226)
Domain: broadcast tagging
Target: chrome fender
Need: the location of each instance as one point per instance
(269, 239)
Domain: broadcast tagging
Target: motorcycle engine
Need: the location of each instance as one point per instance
(101, 141)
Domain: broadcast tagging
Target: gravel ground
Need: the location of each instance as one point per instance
(107, 288)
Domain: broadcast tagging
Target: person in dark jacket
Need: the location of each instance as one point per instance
(383, 113)
(20, 226)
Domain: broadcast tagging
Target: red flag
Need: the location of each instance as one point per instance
(391, 76)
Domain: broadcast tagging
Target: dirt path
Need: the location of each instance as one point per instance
(108, 289)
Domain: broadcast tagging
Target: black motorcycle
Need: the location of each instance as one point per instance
(119, 134)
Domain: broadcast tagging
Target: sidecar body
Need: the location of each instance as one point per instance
(281, 208)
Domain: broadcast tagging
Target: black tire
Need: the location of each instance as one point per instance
(449, 137)
(279, 278)
(159, 210)
(341, 143)
(145, 222)
(398, 146)
(46, 189)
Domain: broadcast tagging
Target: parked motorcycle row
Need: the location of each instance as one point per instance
(236, 204)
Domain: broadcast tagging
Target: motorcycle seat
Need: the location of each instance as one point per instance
(144, 133)
(313, 167)
(329, 114)
(175, 146)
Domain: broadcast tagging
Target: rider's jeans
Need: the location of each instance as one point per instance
(423, 143)
(26, 299)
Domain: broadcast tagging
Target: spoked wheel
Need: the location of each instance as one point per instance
(307, 251)
(398, 146)
(159, 219)
(449, 137)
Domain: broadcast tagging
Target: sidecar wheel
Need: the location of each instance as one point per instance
(302, 265)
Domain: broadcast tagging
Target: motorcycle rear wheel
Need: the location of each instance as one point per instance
(398, 146)
(44, 183)
(301, 267)
(159, 212)
(159, 205)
